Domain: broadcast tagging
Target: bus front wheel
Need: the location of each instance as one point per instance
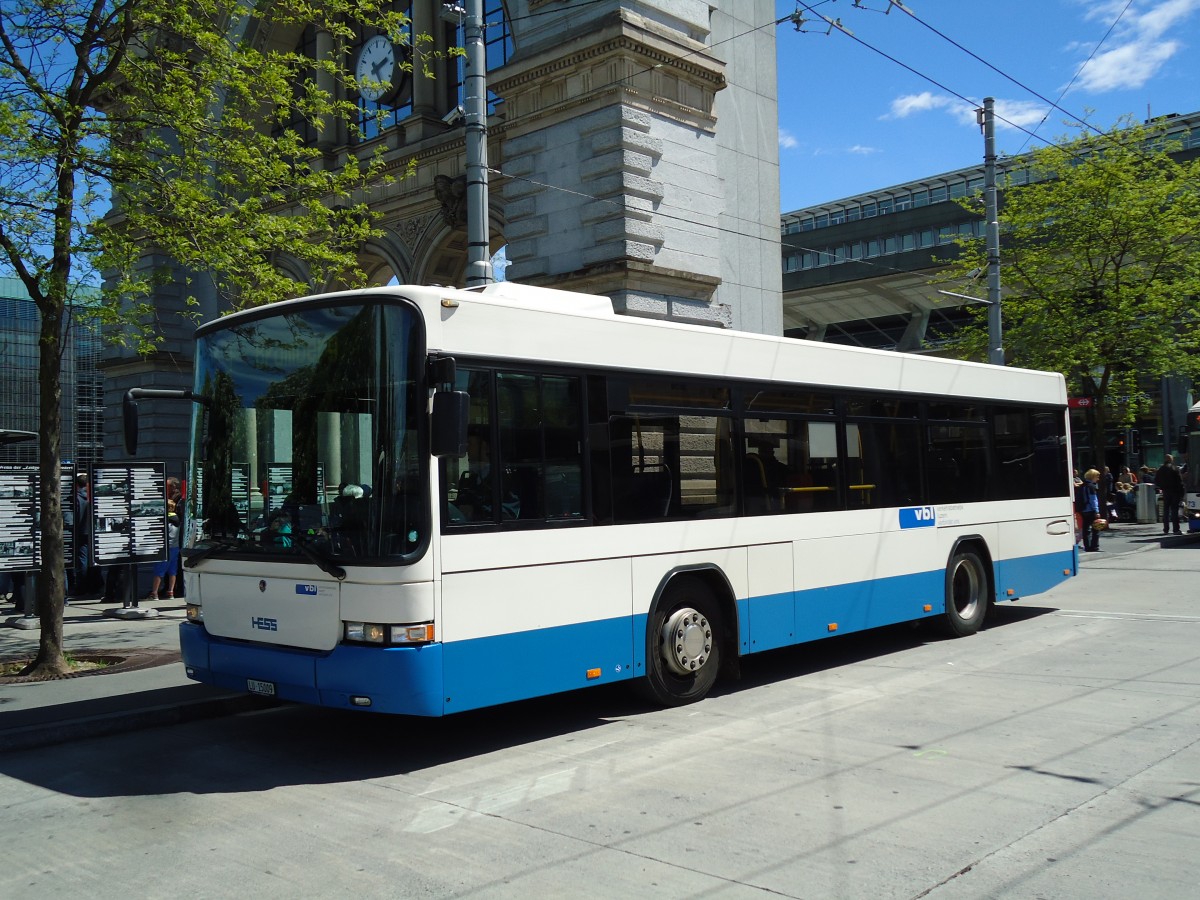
(684, 635)
(968, 594)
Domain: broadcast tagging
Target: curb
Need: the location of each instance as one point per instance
(170, 713)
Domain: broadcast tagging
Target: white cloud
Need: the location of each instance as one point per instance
(1139, 46)
(905, 106)
(1130, 66)
(860, 150)
(1009, 113)
(787, 141)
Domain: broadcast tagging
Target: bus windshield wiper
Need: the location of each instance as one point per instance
(320, 558)
(192, 559)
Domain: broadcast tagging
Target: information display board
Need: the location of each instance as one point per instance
(20, 517)
(129, 514)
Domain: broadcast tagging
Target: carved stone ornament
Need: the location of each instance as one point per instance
(452, 194)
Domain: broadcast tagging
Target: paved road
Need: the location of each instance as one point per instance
(1056, 754)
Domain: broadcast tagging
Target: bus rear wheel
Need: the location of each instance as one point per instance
(684, 636)
(968, 594)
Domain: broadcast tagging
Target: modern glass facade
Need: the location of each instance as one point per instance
(82, 382)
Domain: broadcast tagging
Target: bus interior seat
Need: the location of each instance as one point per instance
(651, 491)
(754, 476)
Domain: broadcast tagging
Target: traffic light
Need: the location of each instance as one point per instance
(1135, 441)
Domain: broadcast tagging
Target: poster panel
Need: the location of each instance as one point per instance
(129, 514)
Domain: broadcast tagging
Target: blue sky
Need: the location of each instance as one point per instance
(851, 120)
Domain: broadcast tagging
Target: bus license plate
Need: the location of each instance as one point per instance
(265, 688)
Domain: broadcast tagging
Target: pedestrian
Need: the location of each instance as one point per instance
(1087, 503)
(1168, 480)
(83, 536)
(170, 565)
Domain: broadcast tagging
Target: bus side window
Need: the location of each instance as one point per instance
(541, 445)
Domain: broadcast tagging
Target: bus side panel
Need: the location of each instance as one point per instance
(1036, 557)
(770, 617)
(860, 581)
(520, 632)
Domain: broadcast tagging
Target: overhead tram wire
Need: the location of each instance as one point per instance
(793, 17)
(1082, 66)
(973, 103)
(1053, 104)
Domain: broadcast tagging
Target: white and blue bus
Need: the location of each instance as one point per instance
(424, 500)
(1191, 477)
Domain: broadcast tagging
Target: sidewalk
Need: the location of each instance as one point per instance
(148, 688)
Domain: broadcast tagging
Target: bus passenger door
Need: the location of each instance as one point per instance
(771, 618)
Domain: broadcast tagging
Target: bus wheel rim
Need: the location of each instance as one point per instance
(966, 588)
(686, 641)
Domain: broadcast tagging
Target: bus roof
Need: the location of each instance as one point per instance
(508, 321)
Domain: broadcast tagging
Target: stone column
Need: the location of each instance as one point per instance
(624, 176)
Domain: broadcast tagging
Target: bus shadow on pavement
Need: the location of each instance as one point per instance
(290, 745)
(831, 653)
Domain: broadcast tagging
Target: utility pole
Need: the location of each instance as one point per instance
(987, 118)
(479, 262)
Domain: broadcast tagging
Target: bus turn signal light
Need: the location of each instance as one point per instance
(831, 627)
(412, 634)
(593, 674)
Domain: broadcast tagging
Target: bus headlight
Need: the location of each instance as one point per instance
(195, 613)
(365, 632)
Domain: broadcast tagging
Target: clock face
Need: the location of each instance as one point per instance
(376, 67)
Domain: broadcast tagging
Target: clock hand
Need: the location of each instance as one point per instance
(379, 65)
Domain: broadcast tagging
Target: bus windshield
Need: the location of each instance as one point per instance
(309, 444)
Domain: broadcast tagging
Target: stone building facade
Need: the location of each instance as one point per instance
(634, 149)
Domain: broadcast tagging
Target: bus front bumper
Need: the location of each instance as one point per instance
(398, 680)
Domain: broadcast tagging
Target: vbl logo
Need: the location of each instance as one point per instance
(307, 589)
(917, 517)
(264, 624)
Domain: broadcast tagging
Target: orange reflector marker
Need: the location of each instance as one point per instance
(1066, 571)
(832, 626)
(928, 607)
(1010, 592)
(593, 674)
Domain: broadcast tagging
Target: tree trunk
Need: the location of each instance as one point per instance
(51, 586)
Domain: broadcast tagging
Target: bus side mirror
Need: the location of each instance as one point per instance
(442, 372)
(129, 415)
(449, 423)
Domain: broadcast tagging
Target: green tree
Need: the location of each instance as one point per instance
(130, 125)
(1100, 268)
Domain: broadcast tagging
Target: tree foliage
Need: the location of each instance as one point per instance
(1100, 267)
(135, 125)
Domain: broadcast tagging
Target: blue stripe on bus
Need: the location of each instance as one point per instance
(485, 671)
(461, 675)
